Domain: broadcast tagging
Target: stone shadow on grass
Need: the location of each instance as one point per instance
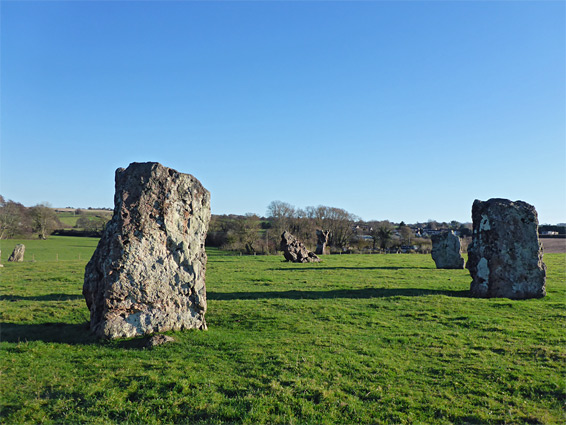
(46, 297)
(348, 268)
(335, 293)
(66, 333)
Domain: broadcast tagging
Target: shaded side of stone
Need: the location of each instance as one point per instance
(147, 273)
(505, 255)
(446, 251)
(18, 253)
(295, 251)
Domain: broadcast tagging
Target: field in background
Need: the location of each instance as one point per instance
(354, 339)
(554, 245)
(56, 248)
(68, 218)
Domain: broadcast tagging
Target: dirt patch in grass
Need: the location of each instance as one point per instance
(554, 246)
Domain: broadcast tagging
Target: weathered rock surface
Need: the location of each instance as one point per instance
(322, 240)
(148, 272)
(18, 253)
(505, 256)
(446, 251)
(156, 340)
(295, 251)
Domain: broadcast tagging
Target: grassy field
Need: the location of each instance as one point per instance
(354, 339)
(68, 218)
(55, 248)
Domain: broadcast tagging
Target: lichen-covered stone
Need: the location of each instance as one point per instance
(446, 251)
(505, 256)
(18, 253)
(295, 251)
(148, 272)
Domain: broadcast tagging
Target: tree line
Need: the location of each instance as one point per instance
(17, 220)
(251, 234)
(41, 220)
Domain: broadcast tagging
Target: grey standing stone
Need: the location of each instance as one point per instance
(148, 272)
(505, 256)
(322, 240)
(295, 251)
(446, 251)
(18, 253)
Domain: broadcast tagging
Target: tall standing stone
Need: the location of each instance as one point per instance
(446, 251)
(18, 253)
(148, 272)
(505, 256)
(322, 240)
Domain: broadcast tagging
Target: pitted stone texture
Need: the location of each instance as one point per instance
(322, 240)
(505, 256)
(446, 251)
(148, 272)
(158, 339)
(18, 253)
(295, 251)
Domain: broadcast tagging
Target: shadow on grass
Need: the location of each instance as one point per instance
(335, 293)
(47, 297)
(65, 333)
(348, 268)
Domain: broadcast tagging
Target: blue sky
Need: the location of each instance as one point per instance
(390, 110)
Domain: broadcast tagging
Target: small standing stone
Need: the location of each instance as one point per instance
(18, 253)
(446, 251)
(505, 256)
(295, 251)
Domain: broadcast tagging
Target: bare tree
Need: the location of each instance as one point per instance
(304, 223)
(91, 223)
(44, 220)
(14, 219)
(247, 231)
(336, 220)
(281, 215)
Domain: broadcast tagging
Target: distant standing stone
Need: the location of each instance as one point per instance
(322, 240)
(446, 251)
(505, 256)
(18, 253)
(295, 251)
(148, 272)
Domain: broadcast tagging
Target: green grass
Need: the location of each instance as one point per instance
(354, 339)
(55, 248)
(68, 218)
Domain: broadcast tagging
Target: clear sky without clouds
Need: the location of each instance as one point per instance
(390, 110)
